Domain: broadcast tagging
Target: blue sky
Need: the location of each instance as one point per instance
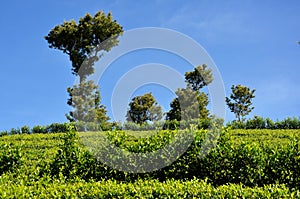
(253, 43)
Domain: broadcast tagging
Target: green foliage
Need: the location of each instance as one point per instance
(25, 130)
(94, 126)
(143, 189)
(144, 108)
(39, 129)
(198, 78)
(266, 123)
(58, 128)
(155, 112)
(199, 123)
(52, 128)
(10, 157)
(3, 133)
(71, 160)
(251, 164)
(83, 40)
(62, 128)
(238, 166)
(174, 114)
(240, 101)
(144, 127)
(188, 105)
(190, 102)
(85, 100)
(14, 131)
(273, 137)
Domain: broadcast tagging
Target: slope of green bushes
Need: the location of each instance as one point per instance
(141, 189)
(249, 163)
(266, 123)
(60, 165)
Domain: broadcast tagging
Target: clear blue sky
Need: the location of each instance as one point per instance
(252, 42)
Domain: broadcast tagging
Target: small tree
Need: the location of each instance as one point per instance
(190, 102)
(240, 101)
(86, 102)
(144, 108)
(188, 105)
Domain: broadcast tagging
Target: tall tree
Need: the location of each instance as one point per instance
(240, 101)
(83, 41)
(144, 108)
(190, 102)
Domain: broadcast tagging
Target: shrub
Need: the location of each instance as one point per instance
(71, 160)
(270, 124)
(10, 157)
(256, 123)
(25, 130)
(57, 128)
(14, 131)
(39, 129)
(3, 133)
(200, 123)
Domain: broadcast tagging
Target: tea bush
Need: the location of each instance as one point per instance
(10, 157)
(251, 164)
(64, 165)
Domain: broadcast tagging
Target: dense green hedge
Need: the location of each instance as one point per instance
(168, 124)
(52, 128)
(58, 165)
(141, 189)
(60, 128)
(254, 123)
(266, 123)
(252, 164)
(107, 126)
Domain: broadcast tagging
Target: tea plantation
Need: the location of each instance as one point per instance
(243, 164)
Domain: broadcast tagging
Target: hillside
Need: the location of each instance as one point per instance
(245, 163)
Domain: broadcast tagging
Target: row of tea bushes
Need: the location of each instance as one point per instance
(52, 128)
(266, 123)
(251, 164)
(141, 189)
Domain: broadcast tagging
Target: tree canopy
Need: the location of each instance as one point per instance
(144, 108)
(190, 102)
(198, 78)
(83, 40)
(188, 105)
(240, 101)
